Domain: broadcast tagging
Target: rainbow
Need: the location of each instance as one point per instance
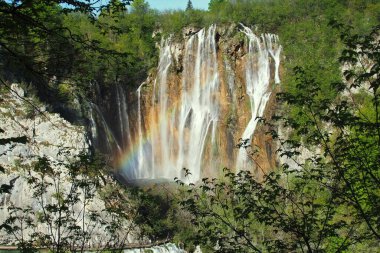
(127, 160)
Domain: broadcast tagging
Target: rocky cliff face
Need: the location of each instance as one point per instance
(204, 98)
(45, 135)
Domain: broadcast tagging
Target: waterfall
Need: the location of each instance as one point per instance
(199, 105)
(180, 124)
(98, 120)
(143, 166)
(181, 116)
(93, 127)
(161, 155)
(110, 129)
(123, 117)
(257, 74)
(274, 50)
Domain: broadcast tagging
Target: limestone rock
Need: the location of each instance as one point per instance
(47, 134)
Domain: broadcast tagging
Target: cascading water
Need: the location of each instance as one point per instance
(99, 122)
(123, 117)
(182, 125)
(199, 105)
(160, 140)
(274, 50)
(142, 165)
(110, 131)
(93, 127)
(257, 75)
(182, 116)
(167, 248)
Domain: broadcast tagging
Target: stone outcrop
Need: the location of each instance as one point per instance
(47, 134)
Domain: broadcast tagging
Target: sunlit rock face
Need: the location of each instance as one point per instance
(205, 96)
(46, 135)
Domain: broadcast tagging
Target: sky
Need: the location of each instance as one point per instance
(168, 4)
(177, 4)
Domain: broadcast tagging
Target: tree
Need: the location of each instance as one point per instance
(326, 202)
(350, 145)
(189, 6)
(36, 43)
(63, 217)
(215, 5)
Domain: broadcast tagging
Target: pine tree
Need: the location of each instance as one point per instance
(189, 5)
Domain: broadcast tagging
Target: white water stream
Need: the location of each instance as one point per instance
(178, 138)
(257, 74)
(167, 248)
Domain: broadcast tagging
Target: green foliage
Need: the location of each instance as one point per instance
(231, 119)
(152, 211)
(189, 6)
(21, 139)
(74, 47)
(71, 45)
(155, 212)
(41, 45)
(326, 202)
(240, 214)
(61, 218)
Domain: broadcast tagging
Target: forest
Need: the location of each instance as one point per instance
(64, 53)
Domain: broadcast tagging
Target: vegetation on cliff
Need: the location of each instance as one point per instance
(48, 45)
